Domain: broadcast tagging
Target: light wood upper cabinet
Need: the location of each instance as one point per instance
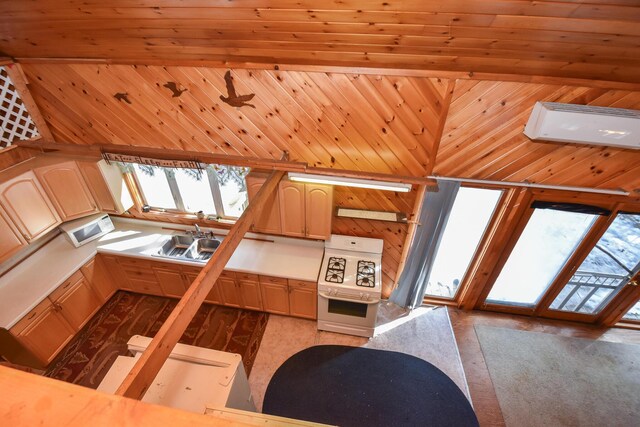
(107, 186)
(269, 221)
(11, 241)
(303, 209)
(28, 206)
(318, 210)
(67, 190)
(292, 212)
(44, 331)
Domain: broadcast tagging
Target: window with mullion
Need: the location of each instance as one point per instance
(215, 190)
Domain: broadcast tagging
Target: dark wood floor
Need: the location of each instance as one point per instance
(481, 388)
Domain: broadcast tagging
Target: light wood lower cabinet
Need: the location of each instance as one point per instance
(303, 299)
(275, 294)
(249, 288)
(76, 300)
(44, 331)
(172, 281)
(99, 278)
(289, 297)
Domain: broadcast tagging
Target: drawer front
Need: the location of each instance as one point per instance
(228, 274)
(191, 270)
(145, 287)
(134, 262)
(66, 285)
(31, 317)
(247, 276)
(301, 284)
(273, 280)
(139, 274)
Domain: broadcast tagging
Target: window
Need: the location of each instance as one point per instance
(468, 220)
(216, 190)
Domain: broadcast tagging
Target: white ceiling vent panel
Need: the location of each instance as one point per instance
(584, 124)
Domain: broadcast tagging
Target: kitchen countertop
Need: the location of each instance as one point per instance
(31, 281)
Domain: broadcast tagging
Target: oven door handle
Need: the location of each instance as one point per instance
(322, 294)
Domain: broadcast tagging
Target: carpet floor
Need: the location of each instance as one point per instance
(352, 387)
(88, 357)
(548, 380)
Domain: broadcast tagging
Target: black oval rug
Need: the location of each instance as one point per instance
(352, 386)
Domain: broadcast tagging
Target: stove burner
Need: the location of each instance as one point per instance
(335, 270)
(366, 276)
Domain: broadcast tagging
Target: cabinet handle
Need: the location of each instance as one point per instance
(57, 307)
(32, 315)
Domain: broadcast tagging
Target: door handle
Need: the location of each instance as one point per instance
(633, 283)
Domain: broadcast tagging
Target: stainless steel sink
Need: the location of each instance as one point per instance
(202, 249)
(177, 246)
(187, 247)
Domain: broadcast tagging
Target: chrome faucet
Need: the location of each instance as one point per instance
(199, 234)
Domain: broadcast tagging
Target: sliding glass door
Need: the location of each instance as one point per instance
(548, 240)
(610, 265)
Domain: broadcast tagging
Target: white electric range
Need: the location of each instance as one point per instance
(350, 285)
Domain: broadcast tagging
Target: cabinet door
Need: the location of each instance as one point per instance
(97, 276)
(75, 300)
(214, 295)
(171, 281)
(11, 241)
(303, 299)
(275, 295)
(319, 210)
(98, 187)
(250, 293)
(27, 204)
(269, 221)
(229, 292)
(116, 273)
(65, 186)
(292, 208)
(44, 334)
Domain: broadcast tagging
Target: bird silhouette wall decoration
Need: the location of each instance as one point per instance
(232, 98)
(122, 96)
(173, 87)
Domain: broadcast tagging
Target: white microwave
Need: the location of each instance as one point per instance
(86, 229)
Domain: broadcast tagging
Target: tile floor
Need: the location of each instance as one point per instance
(425, 333)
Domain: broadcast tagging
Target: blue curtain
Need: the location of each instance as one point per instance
(434, 215)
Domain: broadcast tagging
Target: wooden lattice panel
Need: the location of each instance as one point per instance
(15, 121)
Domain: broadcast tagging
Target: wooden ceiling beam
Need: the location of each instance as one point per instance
(151, 361)
(96, 151)
(400, 72)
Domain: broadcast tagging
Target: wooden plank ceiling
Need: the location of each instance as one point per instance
(592, 39)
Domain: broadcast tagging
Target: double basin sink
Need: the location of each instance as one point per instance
(188, 247)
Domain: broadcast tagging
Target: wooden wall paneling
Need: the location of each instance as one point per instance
(363, 111)
(485, 141)
(20, 82)
(247, 140)
(344, 147)
(291, 115)
(350, 139)
(267, 117)
(174, 115)
(77, 111)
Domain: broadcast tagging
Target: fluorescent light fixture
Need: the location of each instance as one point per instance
(350, 182)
